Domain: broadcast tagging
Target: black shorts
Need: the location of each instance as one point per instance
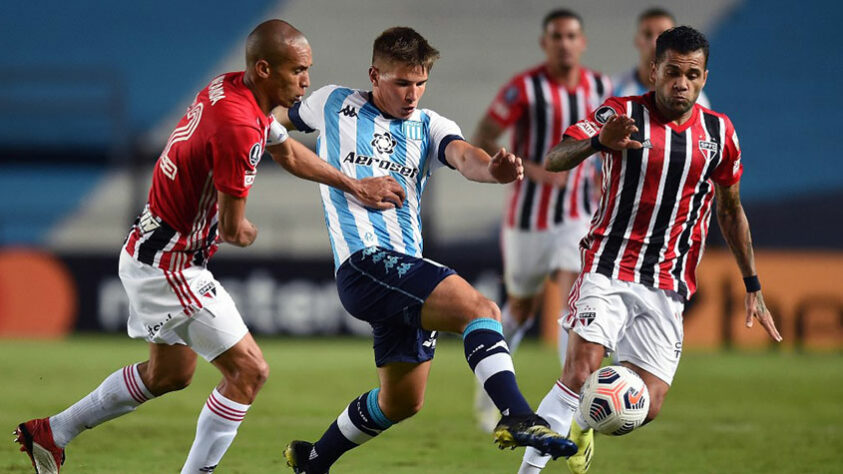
(387, 289)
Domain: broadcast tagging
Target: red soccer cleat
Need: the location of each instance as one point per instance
(36, 440)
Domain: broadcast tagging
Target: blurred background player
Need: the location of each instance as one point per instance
(198, 195)
(547, 213)
(666, 159)
(381, 275)
(651, 23)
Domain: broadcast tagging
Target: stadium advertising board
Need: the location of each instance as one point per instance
(298, 297)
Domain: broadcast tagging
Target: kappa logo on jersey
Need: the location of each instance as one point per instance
(384, 143)
(255, 155)
(383, 164)
(709, 149)
(348, 111)
(603, 114)
(413, 130)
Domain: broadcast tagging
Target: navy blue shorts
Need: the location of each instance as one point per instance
(387, 289)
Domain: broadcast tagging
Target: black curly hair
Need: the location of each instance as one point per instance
(683, 40)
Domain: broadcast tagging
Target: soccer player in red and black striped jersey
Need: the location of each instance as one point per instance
(547, 213)
(666, 158)
(198, 197)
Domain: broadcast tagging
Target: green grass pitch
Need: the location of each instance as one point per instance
(727, 413)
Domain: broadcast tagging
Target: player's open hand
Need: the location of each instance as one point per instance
(756, 309)
(506, 167)
(615, 134)
(380, 193)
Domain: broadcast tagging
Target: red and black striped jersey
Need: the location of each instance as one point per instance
(539, 110)
(215, 147)
(652, 220)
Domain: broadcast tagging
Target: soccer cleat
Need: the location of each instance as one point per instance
(581, 461)
(36, 440)
(532, 430)
(297, 454)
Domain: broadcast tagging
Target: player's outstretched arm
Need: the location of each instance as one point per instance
(615, 135)
(476, 165)
(735, 228)
(378, 193)
(234, 228)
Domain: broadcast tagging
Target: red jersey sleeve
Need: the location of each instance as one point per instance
(509, 104)
(591, 125)
(730, 168)
(237, 151)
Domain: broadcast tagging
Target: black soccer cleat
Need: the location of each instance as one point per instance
(297, 454)
(533, 431)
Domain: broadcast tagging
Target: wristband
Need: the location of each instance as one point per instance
(595, 143)
(277, 134)
(752, 284)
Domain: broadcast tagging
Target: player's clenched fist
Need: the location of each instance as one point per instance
(382, 192)
(506, 167)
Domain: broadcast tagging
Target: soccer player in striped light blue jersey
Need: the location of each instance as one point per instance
(381, 275)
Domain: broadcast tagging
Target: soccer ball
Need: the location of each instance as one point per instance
(614, 400)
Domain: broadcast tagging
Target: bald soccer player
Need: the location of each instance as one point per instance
(198, 199)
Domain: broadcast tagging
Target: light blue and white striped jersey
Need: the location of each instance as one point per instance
(360, 141)
(628, 84)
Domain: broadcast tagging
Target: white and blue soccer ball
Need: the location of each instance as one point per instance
(614, 400)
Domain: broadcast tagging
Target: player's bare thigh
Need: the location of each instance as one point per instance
(402, 388)
(169, 368)
(453, 304)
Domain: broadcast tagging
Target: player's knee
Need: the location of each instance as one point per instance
(405, 409)
(169, 381)
(249, 376)
(575, 373)
(520, 309)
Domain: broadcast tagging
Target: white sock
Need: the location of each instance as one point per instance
(120, 393)
(558, 408)
(562, 345)
(215, 430)
(513, 331)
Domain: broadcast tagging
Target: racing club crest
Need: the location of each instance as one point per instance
(384, 143)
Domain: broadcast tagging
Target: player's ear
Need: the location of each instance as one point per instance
(373, 75)
(653, 69)
(262, 68)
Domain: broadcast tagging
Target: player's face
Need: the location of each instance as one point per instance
(563, 42)
(397, 87)
(679, 78)
(648, 32)
(289, 80)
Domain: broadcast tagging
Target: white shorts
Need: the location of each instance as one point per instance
(530, 256)
(188, 307)
(642, 325)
